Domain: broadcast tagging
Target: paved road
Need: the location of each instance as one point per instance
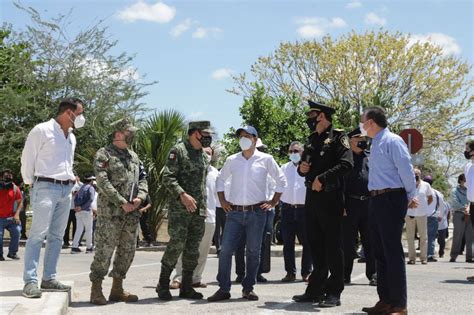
(436, 288)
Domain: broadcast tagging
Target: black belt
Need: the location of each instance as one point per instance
(374, 193)
(54, 181)
(246, 208)
(292, 206)
(359, 197)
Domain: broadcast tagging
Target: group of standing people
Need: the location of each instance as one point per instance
(329, 191)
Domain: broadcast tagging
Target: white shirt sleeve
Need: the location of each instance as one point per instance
(224, 174)
(29, 154)
(277, 174)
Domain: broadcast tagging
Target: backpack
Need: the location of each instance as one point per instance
(82, 196)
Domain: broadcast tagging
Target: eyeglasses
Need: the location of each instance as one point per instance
(294, 151)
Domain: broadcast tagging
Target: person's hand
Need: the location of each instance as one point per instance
(77, 209)
(188, 201)
(17, 220)
(304, 167)
(137, 202)
(439, 219)
(227, 206)
(413, 203)
(317, 186)
(128, 207)
(268, 205)
(466, 210)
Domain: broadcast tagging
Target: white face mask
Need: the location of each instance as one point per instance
(80, 121)
(363, 132)
(245, 143)
(295, 157)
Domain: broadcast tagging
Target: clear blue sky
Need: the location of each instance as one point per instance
(191, 47)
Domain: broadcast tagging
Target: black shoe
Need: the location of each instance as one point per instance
(89, 250)
(219, 296)
(467, 260)
(347, 281)
(2, 258)
(24, 237)
(14, 256)
(432, 259)
(290, 277)
(251, 296)
(330, 301)
(361, 260)
(75, 250)
(164, 294)
(65, 246)
(261, 278)
(373, 281)
(239, 279)
(190, 294)
(452, 259)
(303, 298)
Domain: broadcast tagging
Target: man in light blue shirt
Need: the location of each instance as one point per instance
(392, 188)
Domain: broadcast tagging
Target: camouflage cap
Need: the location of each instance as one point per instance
(123, 125)
(203, 125)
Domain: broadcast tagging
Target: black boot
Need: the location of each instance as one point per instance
(163, 287)
(187, 291)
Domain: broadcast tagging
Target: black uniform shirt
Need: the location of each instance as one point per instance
(358, 179)
(330, 157)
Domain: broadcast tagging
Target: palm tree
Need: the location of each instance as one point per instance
(158, 134)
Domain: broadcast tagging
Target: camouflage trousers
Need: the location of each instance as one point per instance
(119, 234)
(185, 231)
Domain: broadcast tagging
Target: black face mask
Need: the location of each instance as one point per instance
(205, 141)
(417, 178)
(467, 154)
(7, 179)
(362, 145)
(312, 123)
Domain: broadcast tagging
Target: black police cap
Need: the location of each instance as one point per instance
(319, 107)
(354, 133)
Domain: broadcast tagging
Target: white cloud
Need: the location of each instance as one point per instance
(447, 43)
(353, 4)
(221, 73)
(181, 28)
(315, 27)
(202, 32)
(158, 12)
(373, 19)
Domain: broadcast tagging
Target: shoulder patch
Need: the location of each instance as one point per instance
(345, 142)
(173, 155)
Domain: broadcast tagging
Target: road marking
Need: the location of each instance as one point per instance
(86, 273)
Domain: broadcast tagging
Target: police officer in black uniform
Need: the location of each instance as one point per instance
(357, 207)
(326, 159)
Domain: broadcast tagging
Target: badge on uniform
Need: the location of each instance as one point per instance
(345, 142)
(172, 156)
(103, 164)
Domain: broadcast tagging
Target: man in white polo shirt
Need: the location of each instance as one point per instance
(293, 216)
(469, 173)
(47, 165)
(245, 206)
(417, 220)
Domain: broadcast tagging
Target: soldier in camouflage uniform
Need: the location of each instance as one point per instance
(122, 184)
(185, 178)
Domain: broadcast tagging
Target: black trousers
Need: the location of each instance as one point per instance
(71, 219)
(145, 227)
(220, 223)
(324, 233)
(23, 223)
(386, 219)
(355, 222)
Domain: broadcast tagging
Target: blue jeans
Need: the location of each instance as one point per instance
(432, 233)
(238, 223)
(14, 229)
(50, 203)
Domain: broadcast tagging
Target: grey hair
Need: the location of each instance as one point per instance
(295, 143)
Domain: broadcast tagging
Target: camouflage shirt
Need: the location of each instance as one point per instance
(186, 171)
(116, 171)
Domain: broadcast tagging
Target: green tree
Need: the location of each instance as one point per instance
(69, 63)
(418, 85)
(278, 120)
(158, 134)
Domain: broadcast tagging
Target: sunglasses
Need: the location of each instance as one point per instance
(294, 151)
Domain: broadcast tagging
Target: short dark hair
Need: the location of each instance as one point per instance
(470, 143)
(461, 178)
(191, 131)
(377, 114)
(68, 103)
(7, 170)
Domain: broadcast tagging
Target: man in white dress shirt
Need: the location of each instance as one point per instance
(293, 216)
(469, 173)
(47, 166)
(245, 206)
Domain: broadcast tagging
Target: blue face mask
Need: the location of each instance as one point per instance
(295, 157)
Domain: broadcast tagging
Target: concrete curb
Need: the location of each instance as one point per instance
(51, 303)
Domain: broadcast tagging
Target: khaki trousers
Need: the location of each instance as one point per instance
(419, 224)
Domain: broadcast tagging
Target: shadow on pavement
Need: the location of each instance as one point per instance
(11, 293)
(290, 307)
(458, 281)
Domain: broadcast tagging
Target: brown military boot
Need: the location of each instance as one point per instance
(97, 297)
(117, 293)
